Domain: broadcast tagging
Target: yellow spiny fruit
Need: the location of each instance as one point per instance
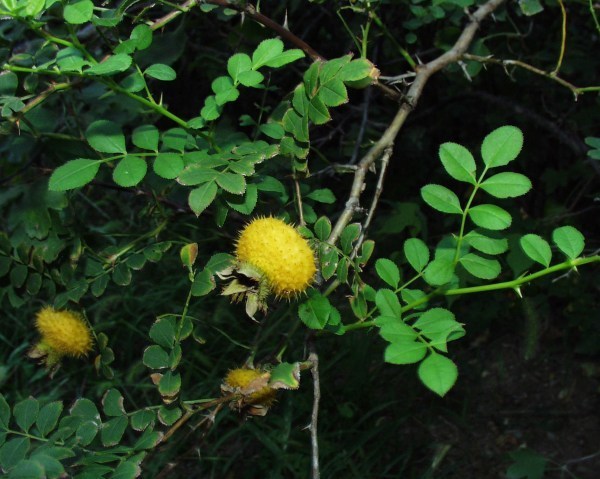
(278, 251)
(63, 333)
(252, 384)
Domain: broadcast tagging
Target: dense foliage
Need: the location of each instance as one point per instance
(438, 163)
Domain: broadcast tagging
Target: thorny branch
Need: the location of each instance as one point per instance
(313, 358)
(363, 126)
(207, 421)
(250, 10)
(562, 135)
(526, 66)
(558, 131)
(183, 8)
(385, 160)
(424, 72)
(38, 99)
(299, 201)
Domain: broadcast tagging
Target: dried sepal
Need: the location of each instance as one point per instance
(46, 357)
(245, 283)
(285, 376)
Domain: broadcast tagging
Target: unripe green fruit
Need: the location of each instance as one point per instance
(370, 79)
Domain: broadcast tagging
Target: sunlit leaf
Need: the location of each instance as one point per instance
(501, 146)
(458, 162)
(569, 240)
(441, 198)
(537, 248)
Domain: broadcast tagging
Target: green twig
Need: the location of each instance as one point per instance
(183, 8)
(155, 232)
(365, 38)
(593, 12)
(158, 108)
(409, 282)
(514, 284)
(464, 216)
(146, 89)
(354, 39)
(184, 313)
(24, 434)
(392, 38)
(77, 44)
(37, 100)
(52, 38)
(563, 38)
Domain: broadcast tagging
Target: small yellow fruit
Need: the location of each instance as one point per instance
(277, 251)
(252, 384)
(64, 333)
(250, 389)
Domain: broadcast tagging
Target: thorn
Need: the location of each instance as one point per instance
(285, 21)
(463, 67)
(518, 291)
